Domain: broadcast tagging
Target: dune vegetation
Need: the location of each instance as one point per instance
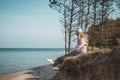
(98, 65)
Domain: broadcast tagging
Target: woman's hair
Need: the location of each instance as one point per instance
(82, 35)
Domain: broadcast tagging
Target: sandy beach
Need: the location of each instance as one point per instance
(38, 73)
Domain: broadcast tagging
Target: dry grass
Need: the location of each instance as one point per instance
(97, 65)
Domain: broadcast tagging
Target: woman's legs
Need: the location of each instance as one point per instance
(59, 60)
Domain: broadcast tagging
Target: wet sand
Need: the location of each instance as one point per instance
(38, 73)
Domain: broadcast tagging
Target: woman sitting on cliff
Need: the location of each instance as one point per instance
(81, 47)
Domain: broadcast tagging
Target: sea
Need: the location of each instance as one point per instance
(19, 59)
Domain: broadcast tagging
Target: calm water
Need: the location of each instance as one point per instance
(13, 60)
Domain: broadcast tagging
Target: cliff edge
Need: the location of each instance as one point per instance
(91, 66)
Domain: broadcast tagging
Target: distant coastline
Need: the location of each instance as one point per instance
(31, 49)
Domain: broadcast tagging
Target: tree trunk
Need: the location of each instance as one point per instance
(65, 26)
(70, 29)
(102, 23)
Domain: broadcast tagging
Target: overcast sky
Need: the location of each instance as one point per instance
(29, 24)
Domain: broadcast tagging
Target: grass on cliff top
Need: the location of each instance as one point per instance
(103, 50)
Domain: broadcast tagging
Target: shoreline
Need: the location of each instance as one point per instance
(42, 73)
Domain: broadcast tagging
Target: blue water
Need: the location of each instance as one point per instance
(18, 59)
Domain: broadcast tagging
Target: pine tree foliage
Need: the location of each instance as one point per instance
(86, 14)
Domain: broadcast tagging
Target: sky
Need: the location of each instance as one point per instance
(29, 24)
